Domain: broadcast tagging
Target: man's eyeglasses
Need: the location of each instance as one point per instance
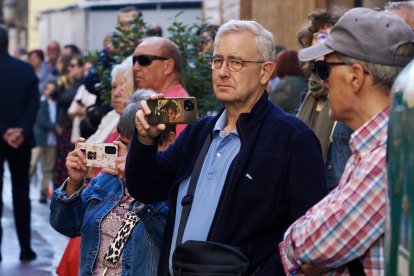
(145, 60)
(320, 37)
(72, 65)
(323, 68)
(233, 64)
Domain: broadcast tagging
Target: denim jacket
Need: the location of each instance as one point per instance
(82, 214)
(338, 154)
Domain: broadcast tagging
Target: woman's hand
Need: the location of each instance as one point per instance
(120, 161)
(76, 166)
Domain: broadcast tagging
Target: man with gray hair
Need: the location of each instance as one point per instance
(344, 233)
(404, 9)
(257, 168)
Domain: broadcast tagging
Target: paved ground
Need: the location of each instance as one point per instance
(48, 244)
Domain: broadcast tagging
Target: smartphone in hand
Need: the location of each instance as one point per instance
(181, 110)
(99, 155)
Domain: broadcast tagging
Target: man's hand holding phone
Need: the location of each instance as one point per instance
(147, 133)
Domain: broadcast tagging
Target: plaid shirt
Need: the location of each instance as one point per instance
(349, 222)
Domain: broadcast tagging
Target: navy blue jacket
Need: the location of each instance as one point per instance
(283, 160)
(19, 97)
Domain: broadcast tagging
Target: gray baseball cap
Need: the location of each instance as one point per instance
(365, 34)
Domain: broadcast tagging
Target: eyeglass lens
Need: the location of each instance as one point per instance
(145, 60)
(323, 69)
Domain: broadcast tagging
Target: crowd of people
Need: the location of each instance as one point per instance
(289, 178)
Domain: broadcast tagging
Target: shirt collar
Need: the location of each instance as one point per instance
(221, 124)
(372, 134)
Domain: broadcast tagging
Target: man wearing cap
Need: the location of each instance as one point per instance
(343, 234)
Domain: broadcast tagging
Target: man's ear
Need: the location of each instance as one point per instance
(266, 72)
(357, 77)
(169, 66)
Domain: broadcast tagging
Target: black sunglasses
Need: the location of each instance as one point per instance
(323, 68)
(145, 60)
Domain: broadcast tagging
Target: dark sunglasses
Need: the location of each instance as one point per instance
(145, 60)
(323, 68)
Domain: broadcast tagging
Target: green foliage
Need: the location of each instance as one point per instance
(102, 67)
(196, 72)
(126, 39)
(124, 42)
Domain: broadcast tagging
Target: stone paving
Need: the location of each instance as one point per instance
(46, 242)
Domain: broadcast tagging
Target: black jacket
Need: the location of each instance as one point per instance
(19, 97)
(283, 159)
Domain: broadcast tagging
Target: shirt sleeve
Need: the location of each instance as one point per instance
(345, 224)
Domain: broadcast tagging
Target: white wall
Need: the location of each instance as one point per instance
(87, 28)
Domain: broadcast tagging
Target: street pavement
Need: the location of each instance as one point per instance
(48, 244)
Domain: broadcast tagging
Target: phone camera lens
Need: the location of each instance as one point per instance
(188, 105)
(91, 155)
(110, 150)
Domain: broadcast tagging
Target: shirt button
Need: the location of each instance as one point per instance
(218, 154)
(329, 167)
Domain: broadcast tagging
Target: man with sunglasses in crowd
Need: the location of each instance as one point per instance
(157, 65)
(260, 171)
(344, 233)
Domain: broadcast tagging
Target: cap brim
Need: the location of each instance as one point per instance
(314, 52)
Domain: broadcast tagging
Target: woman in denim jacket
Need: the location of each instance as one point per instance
(97, 212)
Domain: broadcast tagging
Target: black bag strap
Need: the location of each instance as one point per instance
(355, 268)
(187, 200)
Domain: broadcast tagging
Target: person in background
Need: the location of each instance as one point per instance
(157, 66)
(71, 50)
(46, 135)
(122, 89)
(50, 65)
(154, 30)
(403, 9)
(287, 93)
(97, 212)
(126, 16)
(20, 52)
(63, 81)
(36, 59)
(79, 106)
(343, 234)
(19, 102)
(105, 60)
(207, 32)
(64, 145)
(274, 80)
(333, 135)
(263, 168)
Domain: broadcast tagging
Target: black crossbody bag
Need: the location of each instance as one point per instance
(204, 257)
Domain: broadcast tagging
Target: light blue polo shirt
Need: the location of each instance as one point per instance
(223, 148)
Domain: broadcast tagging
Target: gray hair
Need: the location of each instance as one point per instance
(126, 123)
(264, 39)
(129, 72)
(383, 75)
(118, 69)
(399, 5)
(141, 94)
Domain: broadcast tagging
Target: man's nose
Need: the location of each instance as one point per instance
(325, 84)
(224, 70)
(136, 66)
